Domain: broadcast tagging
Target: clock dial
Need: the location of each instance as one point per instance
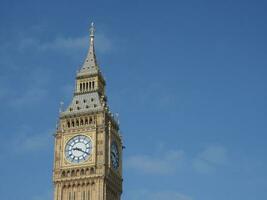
(78, 149)
(115, 157)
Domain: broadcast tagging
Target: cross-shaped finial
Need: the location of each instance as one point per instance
(92, 29)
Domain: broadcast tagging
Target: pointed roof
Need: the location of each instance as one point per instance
(90, 64)
(84, 103)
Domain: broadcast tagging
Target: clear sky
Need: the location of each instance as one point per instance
(188, 79)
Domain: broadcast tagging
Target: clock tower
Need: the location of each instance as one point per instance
(88, 145)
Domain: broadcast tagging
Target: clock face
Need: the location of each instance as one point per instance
(115, 157)
(78, 149)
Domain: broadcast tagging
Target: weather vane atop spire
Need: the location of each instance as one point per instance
(92, 30)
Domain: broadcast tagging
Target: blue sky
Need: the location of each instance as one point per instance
(188, 79)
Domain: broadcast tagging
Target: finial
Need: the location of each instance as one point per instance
(61, 106)
(92, 30)
(117, 118)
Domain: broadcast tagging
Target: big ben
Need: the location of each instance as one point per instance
(88, 144)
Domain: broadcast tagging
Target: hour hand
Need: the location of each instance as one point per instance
(78, 149)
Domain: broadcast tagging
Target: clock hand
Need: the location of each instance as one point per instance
(84, 152)
(79, 149)
(76, 148)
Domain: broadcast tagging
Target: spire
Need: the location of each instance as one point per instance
(92, 30)
(90, 64)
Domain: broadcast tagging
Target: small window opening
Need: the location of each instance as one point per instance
(72, 173)
(82, 172)
(63, 174)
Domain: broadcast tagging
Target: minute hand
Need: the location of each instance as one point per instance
(79, 149)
